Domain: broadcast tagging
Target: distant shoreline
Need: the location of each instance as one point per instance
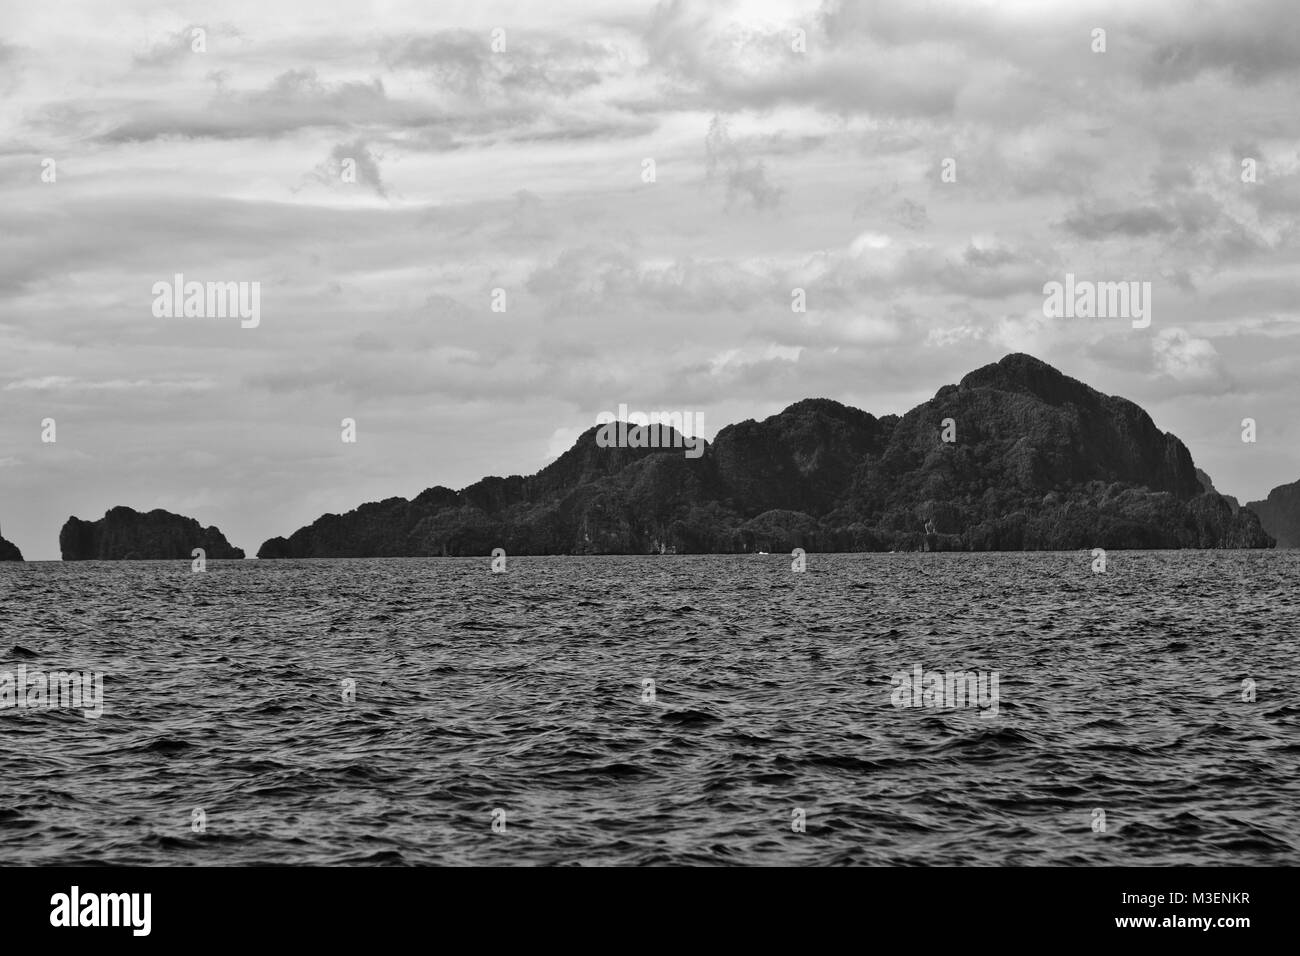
(778, 556)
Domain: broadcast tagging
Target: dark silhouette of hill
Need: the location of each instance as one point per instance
(1279, 514)
(1040, 461)
(9, 551)
(125, 534)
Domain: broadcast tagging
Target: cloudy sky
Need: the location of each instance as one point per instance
(779, 163)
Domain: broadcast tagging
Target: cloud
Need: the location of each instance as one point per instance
(736, 64)
(1186, 358)
(610, 277)
(179, 45)
(64, 383)
(741, 179)
(910, 215)
(465, 63)
(352, 159)
(1251, 42)
(1099, 224)
(295, 100)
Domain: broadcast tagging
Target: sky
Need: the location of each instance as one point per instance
(639, 188)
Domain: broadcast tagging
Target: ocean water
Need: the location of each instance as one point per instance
(519, 699)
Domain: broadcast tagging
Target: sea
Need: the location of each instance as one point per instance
(656, 710)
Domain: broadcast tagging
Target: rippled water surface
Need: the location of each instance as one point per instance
(523, 692)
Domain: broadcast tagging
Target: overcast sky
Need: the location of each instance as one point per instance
(522, 170)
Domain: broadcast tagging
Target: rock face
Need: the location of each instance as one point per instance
(1280, 514)
(9, 551)
(124, 534)
(1208, 485)
(1039, 462)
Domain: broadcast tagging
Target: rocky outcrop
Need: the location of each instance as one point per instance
(1208, 486)
(9, 551)
(1280, 514)
(124, 534)
(1037, 461)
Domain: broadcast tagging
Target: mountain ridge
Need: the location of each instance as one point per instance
(124, 534)
(1279, 514)
(1038, 461)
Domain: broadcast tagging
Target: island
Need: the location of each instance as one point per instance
(1016, 456)
(124, 534)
